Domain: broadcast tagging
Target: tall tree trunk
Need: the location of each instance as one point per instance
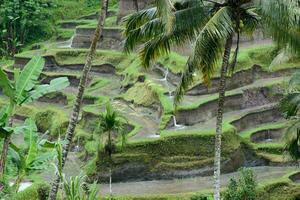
(222, 88)
(77, 106)
(110, 164)
(110, 186)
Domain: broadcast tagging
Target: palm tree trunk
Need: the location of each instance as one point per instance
(110, 164)
(222, 88)
(110, 186)
(77, 106)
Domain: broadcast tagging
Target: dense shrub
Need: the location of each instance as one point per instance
(38, 191)
(54, 121)
(22, 21)
(201, 197)
(242, 189)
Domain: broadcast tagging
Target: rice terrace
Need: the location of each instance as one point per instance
(149, 99)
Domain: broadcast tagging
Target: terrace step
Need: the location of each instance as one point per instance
(199, 109)
(181, 165)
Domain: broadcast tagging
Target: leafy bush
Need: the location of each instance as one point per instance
(201, 197)
(38, 191)
(242, 189)
(22, 21)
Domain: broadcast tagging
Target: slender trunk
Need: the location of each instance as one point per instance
(222, 88)
(76, 108)
(5, 147)
(18, 182)
(110, 186)
(110, 164)
(136, 5)
(6, 141)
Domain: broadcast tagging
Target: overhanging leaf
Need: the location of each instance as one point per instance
(27, 78)
(31, 138)
(6, 85)
(55, 85)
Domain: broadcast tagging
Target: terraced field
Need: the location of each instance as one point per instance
(170, 152)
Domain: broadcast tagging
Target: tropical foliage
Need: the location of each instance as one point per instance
(245, 188)
(79, 97)
(22, 21)
(290, 105)
(32, 158)
(76, 188)
(211, 26)
(24, 88)
(111, 127)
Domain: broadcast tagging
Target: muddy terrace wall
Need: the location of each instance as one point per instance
(249, 98)
(261, 136)
(152, 162)
(239, 79)
(130, 6)
(111, 38)
(52, 65)
(251, 120)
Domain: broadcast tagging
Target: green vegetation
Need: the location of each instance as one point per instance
(99, 148)
(38, 191)
(243, 188)
(290, 108)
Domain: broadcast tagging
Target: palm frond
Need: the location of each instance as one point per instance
(283, 21)
(139, 27)
(290, 104)
(157, 41)
(294, 83)
(250, 19)
(185, 82)
(185, 29)
(207, 51)
(210, 42)
(292, 138)
(137, 19)
(165, 11)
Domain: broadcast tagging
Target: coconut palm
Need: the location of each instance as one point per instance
(111, 126)
(23, 89)
(211, 25)
(290, 106)
(79, 97)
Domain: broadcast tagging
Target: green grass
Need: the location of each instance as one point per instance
(174, 62)
(77, 8)
(143, 94)
(247, 134)
(260, 55)
(64, 34)
(110, 22)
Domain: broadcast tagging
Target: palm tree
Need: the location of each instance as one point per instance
(290, 105)
(112, 125)
(211, 25)
(78, 101)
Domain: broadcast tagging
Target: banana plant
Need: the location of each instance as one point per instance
(24, 88)
(32, 158)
